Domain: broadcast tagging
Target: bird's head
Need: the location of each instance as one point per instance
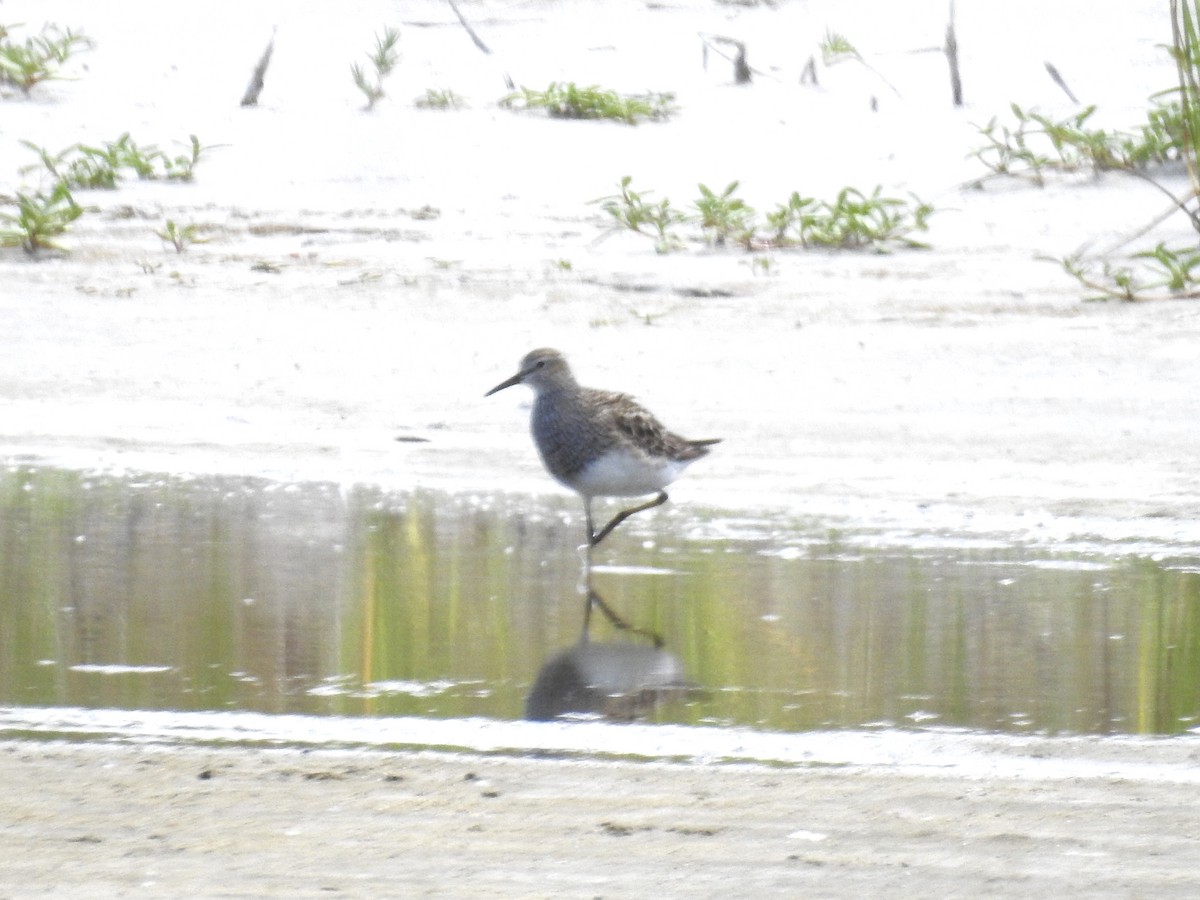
(539, 369)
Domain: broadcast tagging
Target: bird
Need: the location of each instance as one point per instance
(600, 443)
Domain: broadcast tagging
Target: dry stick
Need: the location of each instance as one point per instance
(809, 72)
(1178, 205)
(952, 57)
(1058, 79)
(742, 73)
(471, 31)
(250, 98)
(741, 70)
(478, 42)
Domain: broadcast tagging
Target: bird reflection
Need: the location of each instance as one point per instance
(619, 680)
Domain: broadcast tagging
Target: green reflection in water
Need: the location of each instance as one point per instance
(218, 593)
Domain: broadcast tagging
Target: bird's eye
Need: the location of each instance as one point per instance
(541, 364)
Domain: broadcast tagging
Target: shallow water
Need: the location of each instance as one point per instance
(199, 594)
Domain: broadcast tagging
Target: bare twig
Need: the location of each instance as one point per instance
(742, 73)
(477, 40)
(809, 73)
(952, 57)
(1058, 79)
(471, 31)
(250, 98)
(1177, 205)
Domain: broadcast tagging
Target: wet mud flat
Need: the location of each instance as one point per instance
(121, 820)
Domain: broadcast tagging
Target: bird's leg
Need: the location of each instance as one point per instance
(594, 599)
(597, 537)
(587, 615)
(591, 541)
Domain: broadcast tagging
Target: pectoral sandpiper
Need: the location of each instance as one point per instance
(600, 443)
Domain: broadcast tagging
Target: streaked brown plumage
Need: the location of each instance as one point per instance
(600, 443)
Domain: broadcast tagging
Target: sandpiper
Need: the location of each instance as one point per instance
(600, 443)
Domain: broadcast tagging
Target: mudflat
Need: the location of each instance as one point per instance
(101, 820)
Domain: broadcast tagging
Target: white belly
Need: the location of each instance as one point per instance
(625, 474)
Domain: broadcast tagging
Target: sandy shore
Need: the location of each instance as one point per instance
(102, 820)
(966, 387)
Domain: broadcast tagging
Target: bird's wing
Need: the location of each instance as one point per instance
(638, 425)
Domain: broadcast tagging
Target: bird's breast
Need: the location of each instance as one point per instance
(622, 472)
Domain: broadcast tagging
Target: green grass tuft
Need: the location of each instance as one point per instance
(569, 101)
(39, 58)
(40, 218)
(854, 220)
(383, 60)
